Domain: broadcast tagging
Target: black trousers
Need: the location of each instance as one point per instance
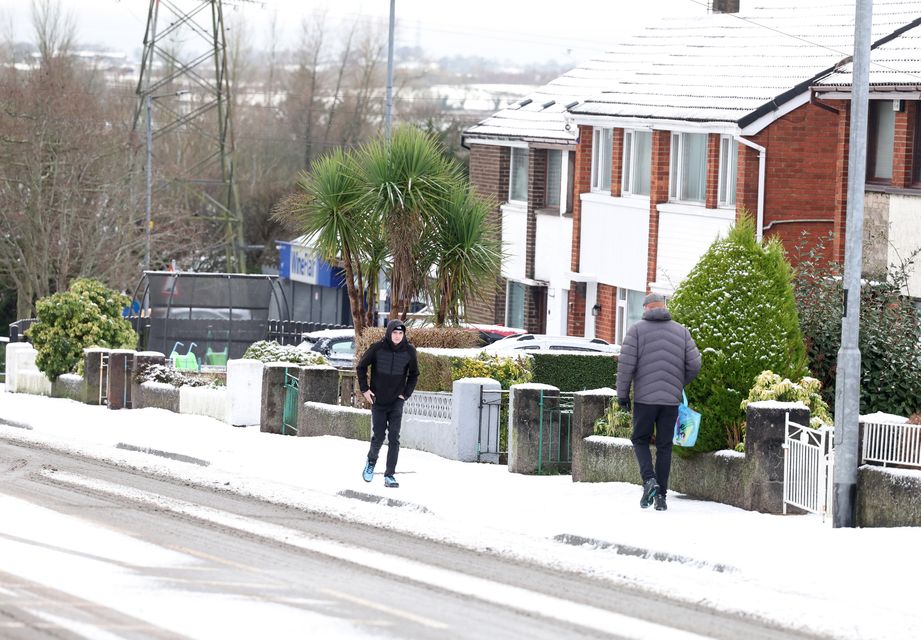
(662, 417)
(386, 418)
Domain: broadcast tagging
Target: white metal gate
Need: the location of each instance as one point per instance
(807, 467)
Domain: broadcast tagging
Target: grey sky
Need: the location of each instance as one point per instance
(518, 30)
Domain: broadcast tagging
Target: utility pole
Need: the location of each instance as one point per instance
(388, 107)
(847, 388)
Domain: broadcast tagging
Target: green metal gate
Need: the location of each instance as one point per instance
(555, 432)
(289, 415)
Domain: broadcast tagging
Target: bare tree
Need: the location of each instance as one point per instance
(55, 29)
(66, 206)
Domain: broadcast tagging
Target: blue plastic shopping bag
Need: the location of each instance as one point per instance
(687, 425)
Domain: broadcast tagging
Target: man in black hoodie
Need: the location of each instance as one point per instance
(394, 371)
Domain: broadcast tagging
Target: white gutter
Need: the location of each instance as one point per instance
(762, 167)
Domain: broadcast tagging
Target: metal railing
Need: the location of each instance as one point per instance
(289, 413)
(291, 332)
(555, 431)
(888, 443)
(492, 437)
(808, 461)
(435, 405)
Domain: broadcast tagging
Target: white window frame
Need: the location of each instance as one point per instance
(558, 187)
(508, 319)
(511, 173)
(877, 140)
(729, 162)
(677, 169)
(630, 161)
(602, 158)
(620, 321)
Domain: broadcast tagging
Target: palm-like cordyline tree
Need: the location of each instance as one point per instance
(329, 210)
(465, 251)
(408, 182)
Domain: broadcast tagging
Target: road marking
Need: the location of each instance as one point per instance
(494, 593)
(426, 622)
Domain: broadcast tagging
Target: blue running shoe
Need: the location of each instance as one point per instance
(391, 482)
(368, 473)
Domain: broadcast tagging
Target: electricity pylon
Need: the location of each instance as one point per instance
(184, 88)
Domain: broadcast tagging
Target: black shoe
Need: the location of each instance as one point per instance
(660, 503)
(650, 489)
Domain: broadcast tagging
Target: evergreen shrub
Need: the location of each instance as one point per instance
(615, 422)
(88, 314)
(770, 386)
(438, 372)
(890, 332)
(271, 351)
(739, 306)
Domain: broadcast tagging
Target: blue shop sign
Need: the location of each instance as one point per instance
(300, 263)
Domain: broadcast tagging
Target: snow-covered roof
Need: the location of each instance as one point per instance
(729, 68)
(895, 64)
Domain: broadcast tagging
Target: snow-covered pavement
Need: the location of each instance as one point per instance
(794, 570)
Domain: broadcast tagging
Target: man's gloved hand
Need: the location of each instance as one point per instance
(624, 403)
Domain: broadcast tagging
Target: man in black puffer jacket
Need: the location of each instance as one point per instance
(659, 358)
(394, 371)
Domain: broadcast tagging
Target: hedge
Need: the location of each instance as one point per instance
(574, 372)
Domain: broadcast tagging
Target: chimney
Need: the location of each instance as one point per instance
(725, 6)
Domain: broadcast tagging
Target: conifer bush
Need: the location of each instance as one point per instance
(739, 306)
(88, 314)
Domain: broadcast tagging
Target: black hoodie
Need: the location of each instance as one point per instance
(394, 369)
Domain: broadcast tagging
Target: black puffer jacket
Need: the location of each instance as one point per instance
(394, 368)
(659, 357)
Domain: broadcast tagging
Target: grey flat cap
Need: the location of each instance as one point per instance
(653, 297)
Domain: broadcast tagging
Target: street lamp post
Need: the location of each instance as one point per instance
(148, 220)
(148, 103)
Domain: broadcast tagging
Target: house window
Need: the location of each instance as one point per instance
(629, 311)
(518, 175)
(560, 171)
(637, 162)
(688, 174)
(602, 149)
(916, 150)
(880, 141)
(514, 305)
(554, 177)
(729, 150)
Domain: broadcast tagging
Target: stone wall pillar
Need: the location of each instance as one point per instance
(244, 390)
(316, 383)
(273, 395)
(93, 374)
(529, 452)
(118, 385)
(587, 407)
(764, 439)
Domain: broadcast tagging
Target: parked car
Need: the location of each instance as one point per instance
(338, 345)
(542, 342)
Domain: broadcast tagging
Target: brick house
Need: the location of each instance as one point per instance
(613, 179)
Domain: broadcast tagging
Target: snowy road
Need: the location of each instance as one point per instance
(88, 550)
